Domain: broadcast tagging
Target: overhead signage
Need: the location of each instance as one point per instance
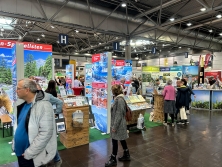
(186, 54)
(116, 45)
(151, 69)
(154, 50)
(95, 58)
(63, 39)
(177, 68)
(164, 69)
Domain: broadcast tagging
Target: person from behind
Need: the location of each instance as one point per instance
(34, 141)
(51, 89)
(77, 83)
(183, 98)
(54, 101)
(169, 102)
(118, 126)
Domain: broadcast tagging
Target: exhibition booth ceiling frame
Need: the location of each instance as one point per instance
(93, 25)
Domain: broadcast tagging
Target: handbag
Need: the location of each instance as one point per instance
(183, 114)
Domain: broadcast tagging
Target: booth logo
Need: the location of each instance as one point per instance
(120, 63)
(96, 58)
(6, 44)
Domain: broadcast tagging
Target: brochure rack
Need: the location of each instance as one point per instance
(76, 114)
(137, 105)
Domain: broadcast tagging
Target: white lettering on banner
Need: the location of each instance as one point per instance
(63, 39)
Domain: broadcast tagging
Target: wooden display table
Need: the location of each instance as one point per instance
(135, 116)
(158, 108)
(75, 136)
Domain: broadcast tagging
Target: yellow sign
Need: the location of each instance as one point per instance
(151, 69)
(166, 62)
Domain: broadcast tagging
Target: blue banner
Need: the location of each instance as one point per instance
(164, 69)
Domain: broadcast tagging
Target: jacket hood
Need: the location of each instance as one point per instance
(40, 95)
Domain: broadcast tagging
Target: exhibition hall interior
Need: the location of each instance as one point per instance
(103, 83)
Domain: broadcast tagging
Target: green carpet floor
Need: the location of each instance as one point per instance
(94, 135)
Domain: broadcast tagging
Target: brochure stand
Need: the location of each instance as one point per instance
(76, 114)
(137, 105)
(158, 108)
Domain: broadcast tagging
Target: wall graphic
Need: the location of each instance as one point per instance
(216, 99)
(12, 94)
(202, 99)
(38, 62)
(99, 90)
(88, 81)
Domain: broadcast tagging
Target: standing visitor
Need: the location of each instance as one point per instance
(51, 89)
(122, 84)
(35, 141)
(77, 83)
(183, 99)
(54, 101)
(118, 126)
(169, 102)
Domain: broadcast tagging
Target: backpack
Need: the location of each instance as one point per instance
(129, 115)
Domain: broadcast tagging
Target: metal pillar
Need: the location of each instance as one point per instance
(127, 50)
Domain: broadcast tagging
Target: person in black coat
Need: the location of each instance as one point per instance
(183, 97)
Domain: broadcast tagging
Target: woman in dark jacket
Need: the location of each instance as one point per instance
(51, 89)
(118, 126)
(183, 97)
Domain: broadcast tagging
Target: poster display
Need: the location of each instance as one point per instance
(13, 94)
(99, 90)
(6, 84)
(121, 69)
(69, 76)
(202, 99)
(216, 100)
(38, 62)
(88, 81)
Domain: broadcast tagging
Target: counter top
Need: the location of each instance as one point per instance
(209, 89)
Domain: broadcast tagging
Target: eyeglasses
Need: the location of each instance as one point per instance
(19, 88)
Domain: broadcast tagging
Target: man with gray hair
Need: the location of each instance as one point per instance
(35, 141)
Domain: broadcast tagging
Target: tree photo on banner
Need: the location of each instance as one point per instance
(38, 62)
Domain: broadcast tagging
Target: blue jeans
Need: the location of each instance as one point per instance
(57, 157)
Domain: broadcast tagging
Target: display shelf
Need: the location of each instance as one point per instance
(76, 122)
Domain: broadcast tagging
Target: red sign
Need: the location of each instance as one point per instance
(6, 44)
(99, 85)
(39, 47)
(27, 45)
(120, 62)
(207, 58)
(215, 74)
(95, 58)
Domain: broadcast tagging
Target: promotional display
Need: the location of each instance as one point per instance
(38, 62)
(101, 64)
(214, 74)
(216, 100)
(121, 69)
(202, 99)
(88, 82)
(6, 65)
(69, 78)
(12, 94)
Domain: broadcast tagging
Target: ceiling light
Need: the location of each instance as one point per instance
(220, 34)
(124, 49)
(219, 16)
(145, 55)
(52, 27)
(210, 31)
(38, 39)
(57, 41)
(114, 56)
(2, 29)
(180, 47)
(137, 58)
(123, 4)
(99, 43)
(76, 31)
(43, 35)
(189, 24)
(144, 48)
(135, 50)
(203, 9)
(172, 19)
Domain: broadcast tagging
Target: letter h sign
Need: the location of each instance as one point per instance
(63, 39)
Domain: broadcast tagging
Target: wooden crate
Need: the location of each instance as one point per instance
(70, 142)
(158, 108)
(75, 136)
(135, 116)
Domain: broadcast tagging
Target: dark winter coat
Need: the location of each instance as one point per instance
(183, 97)
(118, 121)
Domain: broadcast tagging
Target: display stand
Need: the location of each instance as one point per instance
(77, 130)
(158, 108)
(137, 105)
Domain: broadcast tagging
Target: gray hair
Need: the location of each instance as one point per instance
(38, 86)
(169, 82)
(28, 83)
